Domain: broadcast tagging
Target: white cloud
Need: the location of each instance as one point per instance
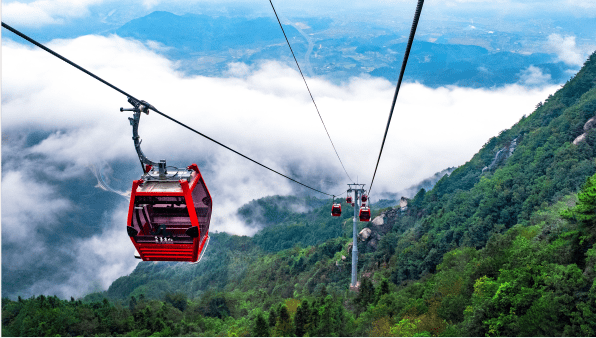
(28, 205)
(86, 145)
(103, 258)
(236, 182)
(533, 76)
(566, 49)
(97, 262)
(45, 12)
(157, 46)
(581, 3)
(237, 69)
(31, 210)
(148, 4)
(27, 15)
(301, 25)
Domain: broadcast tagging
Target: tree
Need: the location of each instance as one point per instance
(366, 295)
(383, 289)
(419, 198)
(381, 328)
(177, 300)
(405, 328)
(301, 319)
(284, 325)
(585, 210)
(217, 307)
(261, 328)
(321, 291)
(272, 317)
(132, 303)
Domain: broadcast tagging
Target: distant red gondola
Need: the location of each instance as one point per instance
(336, 210)
(364, 214)
(349, 199)
(364, 198)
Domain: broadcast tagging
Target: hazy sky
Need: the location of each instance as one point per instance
(61, 121)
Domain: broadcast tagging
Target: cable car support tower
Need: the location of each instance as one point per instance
(358, 190)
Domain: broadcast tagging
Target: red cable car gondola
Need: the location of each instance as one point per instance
(169, 212)
(336, 210)
(364, 198)
(364, 214)
(349, 199)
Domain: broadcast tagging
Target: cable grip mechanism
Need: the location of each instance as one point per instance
(146, 164)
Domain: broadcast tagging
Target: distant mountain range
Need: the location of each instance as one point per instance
(205, 45)
(451, 55)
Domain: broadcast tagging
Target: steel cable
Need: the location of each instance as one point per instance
(311, 97)
(401, 75)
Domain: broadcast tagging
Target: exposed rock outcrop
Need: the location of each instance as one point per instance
(364, 234)
(587, 127)
(579, 139)
(403, 203)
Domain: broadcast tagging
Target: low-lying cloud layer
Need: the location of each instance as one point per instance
(263, 112)
(43, 12)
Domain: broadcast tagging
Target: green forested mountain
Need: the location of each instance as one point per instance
(503, 246)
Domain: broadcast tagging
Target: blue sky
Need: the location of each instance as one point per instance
(63, 227)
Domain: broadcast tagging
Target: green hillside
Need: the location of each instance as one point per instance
(503, 246)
